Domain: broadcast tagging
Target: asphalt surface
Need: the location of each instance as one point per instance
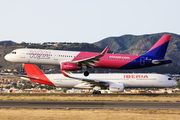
(88, 105)
(94, 95)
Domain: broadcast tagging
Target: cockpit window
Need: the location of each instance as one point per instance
(169, 78)
(13, 52)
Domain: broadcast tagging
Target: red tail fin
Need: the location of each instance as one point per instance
(33, 71)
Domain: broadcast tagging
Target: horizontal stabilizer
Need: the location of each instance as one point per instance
(24, 76)
(159, 61)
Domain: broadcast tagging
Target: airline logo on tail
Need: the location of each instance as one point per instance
(154, 57)
(159, 49)
(36, 75)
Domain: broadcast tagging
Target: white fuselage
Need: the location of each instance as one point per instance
(128, 79)
(40, 56)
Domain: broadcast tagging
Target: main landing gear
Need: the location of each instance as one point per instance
(96, 92)
(22, 67)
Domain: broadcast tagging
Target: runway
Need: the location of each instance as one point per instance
(95, 95)
(88, 105)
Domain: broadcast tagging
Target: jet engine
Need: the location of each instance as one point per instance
(69, 66)
(116, 87)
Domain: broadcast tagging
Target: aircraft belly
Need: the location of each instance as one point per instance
(67, 83)
(139, 83)
(43, 61)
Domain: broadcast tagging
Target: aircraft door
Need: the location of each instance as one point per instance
(160, 79)
(56, 56)
(161, 82)
(23, 54)
(142, 61)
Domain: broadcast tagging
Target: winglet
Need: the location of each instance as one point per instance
(105, 50)
(64, 73)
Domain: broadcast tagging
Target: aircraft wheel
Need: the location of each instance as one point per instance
(86, 73)
(99, 92)
(94, 92)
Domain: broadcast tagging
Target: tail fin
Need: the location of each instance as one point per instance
(34, 72)
(159, 49)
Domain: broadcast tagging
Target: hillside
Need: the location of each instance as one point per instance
(138, 45)
(8, 42)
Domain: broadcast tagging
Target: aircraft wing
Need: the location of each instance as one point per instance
(90, 81)
(90, 62)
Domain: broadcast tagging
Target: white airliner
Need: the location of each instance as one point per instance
(70, 60)
(115, 82)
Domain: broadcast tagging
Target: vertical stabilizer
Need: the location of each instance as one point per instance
(33, 71)
(159, 49)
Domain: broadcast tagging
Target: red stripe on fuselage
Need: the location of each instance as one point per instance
(164, 39)
(111, 61)
(33, 71)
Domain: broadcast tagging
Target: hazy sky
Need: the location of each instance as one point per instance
(89, 21)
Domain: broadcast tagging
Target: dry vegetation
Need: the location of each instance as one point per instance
(89, 114)
(66, 114)
(92, 98)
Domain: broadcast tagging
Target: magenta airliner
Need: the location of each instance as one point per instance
(72, 60)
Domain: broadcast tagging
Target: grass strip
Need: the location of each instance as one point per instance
(86, 114)
(92, 98)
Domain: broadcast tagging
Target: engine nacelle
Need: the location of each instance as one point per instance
(116, 87)
(69, 66)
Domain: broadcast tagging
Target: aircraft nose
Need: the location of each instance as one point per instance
(174, 83)
(7, 57)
